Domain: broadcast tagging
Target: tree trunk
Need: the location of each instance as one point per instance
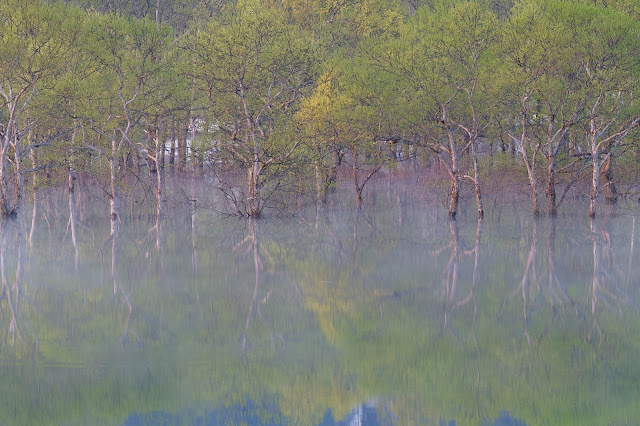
(455, 196)
(253, 181)
(357, 187)
(476, 177)
(18, 173)
(5, 209)
(551, 186)
(34, 189)
(72, 208)
(159, 187)
(533, 182)
(320, 190)
(173, 146)
(456, 180)
(113, 197)
(182, 145)
(610, 190)
(595, 181)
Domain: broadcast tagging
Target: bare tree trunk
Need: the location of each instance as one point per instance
(476, 181)
(72, 209)
(355, 182)
(34, 190)
(113, 196)
(595, 181)
(159, 187)
(5, 210)
(182, 145)
(456, 180)
(455, 196)
(610, 190)
(320, 191)
(551, 186)
(253, 181)
(18, 173)
(173, 146)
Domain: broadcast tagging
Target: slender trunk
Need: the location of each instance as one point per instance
(253, 181)
(113, 197)
(159, 187)
(551, 186)
(34, 188)
(18, 172)
(182, 145)
(455, 196)
(4, 190)
(595, 181)
(200, 160)
(72, 208)
(456, 181)
(476, 176)
(173, 146)
(357, 187)
(5, 209)
(320, 192)
(610, 190)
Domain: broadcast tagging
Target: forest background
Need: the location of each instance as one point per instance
(271, 102)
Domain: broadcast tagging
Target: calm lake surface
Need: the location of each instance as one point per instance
(390, 316)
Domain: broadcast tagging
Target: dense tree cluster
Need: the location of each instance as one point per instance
(275, 96)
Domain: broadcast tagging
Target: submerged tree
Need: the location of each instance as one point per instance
(543, 88)
(444, 56)
(608, 45)
(253, 67)
(33, 50)
(128, 58)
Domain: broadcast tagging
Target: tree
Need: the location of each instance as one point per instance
(542, 87)
(443, 55)
(128, 56)
(343, 118)
(608, 45)
(253, 67)
(33, 50)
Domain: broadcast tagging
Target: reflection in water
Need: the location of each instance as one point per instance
(354, 296)
(605, 288)
(11, 289)
(254, 238)
(451, 276)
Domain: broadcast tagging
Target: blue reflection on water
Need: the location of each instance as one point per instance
(506, 420)
(269, 414)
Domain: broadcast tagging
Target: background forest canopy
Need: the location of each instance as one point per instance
(271, 99)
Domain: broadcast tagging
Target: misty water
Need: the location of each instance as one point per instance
(391, 315)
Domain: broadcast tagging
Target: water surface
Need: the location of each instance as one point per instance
(393, 315)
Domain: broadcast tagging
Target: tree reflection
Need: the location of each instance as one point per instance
(119, 288)
(11, 289)
(605, 289)
(451, 272)
(252, 241)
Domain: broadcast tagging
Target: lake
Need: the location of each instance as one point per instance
(391, 315)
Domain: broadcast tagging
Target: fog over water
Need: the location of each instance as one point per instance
(388, 315)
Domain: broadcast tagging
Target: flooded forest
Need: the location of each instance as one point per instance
(319, 212)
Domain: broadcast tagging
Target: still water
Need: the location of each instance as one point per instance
(389, 316)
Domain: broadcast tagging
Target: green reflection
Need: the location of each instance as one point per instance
(422, 318)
